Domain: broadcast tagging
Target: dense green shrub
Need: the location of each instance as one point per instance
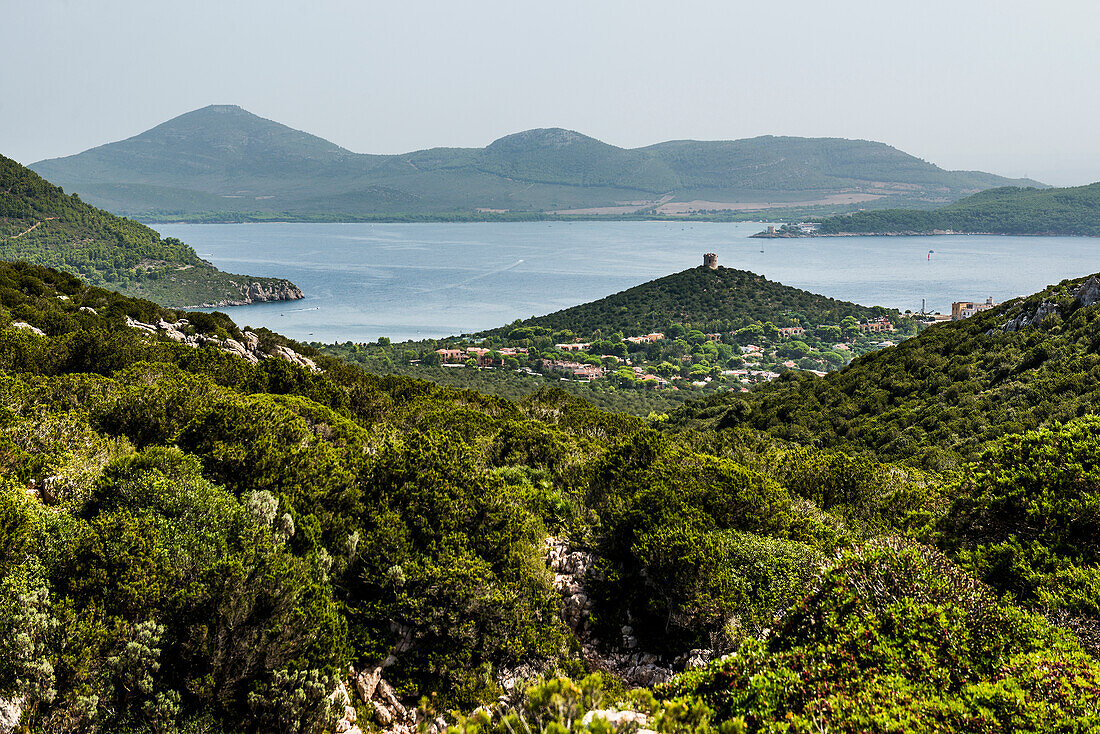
(895, 638)
(191, 542)
(1026, 520)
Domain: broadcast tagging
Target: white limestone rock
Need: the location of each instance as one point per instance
(24, 325)
(10, 711)
(635, 720)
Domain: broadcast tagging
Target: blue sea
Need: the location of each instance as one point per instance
(418, 281)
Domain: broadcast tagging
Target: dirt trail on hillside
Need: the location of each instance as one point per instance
(25, 231)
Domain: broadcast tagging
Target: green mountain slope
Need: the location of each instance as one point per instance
(224, 159)
(1057, 211)
(943, 396)
(724, 299)
(786, 163)
(196, 541)
(39, 223)
(203, 148)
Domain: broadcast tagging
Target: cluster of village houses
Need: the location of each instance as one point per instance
(485, 357)
(577, 370)
(870, 327)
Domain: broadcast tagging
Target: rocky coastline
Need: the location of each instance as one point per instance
(258, 292)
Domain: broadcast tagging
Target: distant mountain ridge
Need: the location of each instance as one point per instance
(223, 158)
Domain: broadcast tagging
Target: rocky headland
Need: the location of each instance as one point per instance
(258, 292)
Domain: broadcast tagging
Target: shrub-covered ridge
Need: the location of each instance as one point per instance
(194, 542)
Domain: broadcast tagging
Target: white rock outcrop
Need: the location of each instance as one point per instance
(573, 570)
(1089, 292)
(27, 327)
(10, 711)
(293, 357)
(342, 701)
(248, 349)
(1026, 318)
(390, 715)
(636, 721)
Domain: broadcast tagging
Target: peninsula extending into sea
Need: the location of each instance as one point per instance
(1008, 211)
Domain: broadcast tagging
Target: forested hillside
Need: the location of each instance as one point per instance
(724, 299)
(1008, 210)
(192, 540)
(941, 398)
(40, 224)
(224, 163)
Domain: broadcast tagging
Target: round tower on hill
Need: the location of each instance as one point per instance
(710, 260)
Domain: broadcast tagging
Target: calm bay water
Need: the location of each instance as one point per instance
(418, 281)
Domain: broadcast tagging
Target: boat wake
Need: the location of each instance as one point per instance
(480, 276)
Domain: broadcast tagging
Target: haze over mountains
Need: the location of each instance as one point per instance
(223, 160)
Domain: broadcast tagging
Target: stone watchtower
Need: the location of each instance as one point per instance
(710, 260)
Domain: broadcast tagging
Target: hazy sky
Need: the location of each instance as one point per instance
(1004, 86)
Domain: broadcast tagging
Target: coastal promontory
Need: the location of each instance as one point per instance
(41, 224)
